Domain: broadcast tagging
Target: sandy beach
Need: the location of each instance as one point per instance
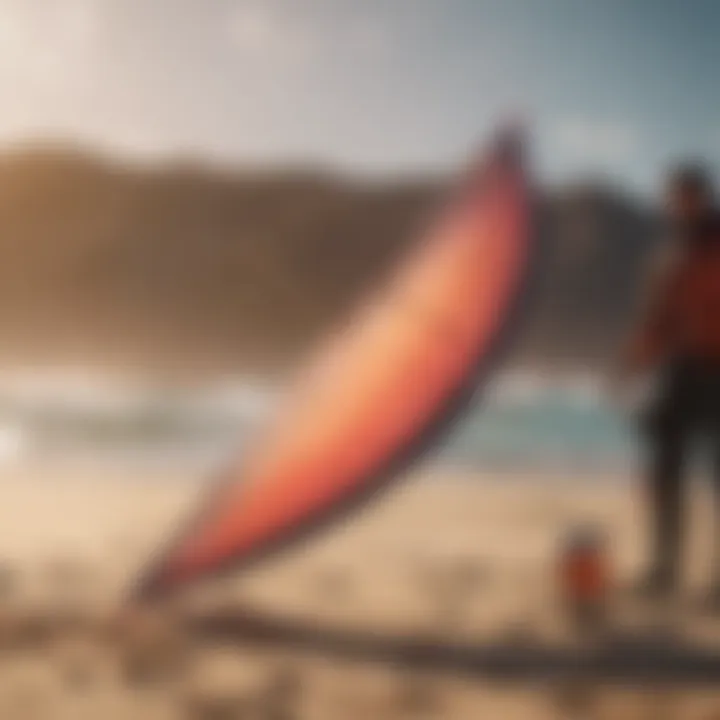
(452, 557)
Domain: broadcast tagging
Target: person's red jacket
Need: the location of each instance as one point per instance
(682, 316)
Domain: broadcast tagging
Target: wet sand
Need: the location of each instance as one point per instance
(450, 557)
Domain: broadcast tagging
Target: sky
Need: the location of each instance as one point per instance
(616, 88)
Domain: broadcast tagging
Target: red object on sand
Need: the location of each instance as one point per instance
(585, 576)
(385, 389)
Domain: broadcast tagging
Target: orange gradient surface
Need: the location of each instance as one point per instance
(380, 385)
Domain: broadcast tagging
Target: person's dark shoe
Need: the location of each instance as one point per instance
(658, 584)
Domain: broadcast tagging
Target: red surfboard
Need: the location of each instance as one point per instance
(384, 390)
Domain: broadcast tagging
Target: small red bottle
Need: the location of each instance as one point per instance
(585, 577)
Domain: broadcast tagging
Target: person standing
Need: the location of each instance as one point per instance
(678, 339)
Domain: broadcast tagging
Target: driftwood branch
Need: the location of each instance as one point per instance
(636, 661)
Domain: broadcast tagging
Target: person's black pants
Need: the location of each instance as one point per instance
(685, 411)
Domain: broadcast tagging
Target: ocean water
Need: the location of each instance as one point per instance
(525, 423)
(535, 425)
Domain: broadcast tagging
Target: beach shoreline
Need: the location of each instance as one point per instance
(444, 555)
